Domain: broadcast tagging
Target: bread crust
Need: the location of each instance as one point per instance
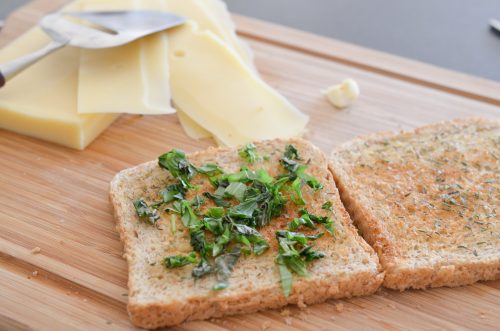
(442, 268)
(357, 273)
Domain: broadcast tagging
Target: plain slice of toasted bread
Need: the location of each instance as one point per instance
(161, 297)
(427, 201)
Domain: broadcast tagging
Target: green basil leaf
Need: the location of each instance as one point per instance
(249, 153)
(236, 190)
(309, 254)
(221, 242)
(246, 230)
(172, 192)
(214, 225)
(301, 221)
(224, 265)
(215, 212)
(297, 188)
(260, 245)
(291, 152)
(188, 217)
(210, 170)
(179, 260)
(327, 206)
(286, 277)
(145, 212)
(297, 265)
(198, 241)
(202, 269)
(179, 167)
(243, 210)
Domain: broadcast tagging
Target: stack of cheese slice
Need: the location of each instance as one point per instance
(201, 68)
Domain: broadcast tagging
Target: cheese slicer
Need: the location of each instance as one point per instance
(107, 29)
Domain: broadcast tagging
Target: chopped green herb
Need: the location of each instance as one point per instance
(217, 197)
(286, 277)
(202, 269)
(249, 153)
(297, 222)
(221, 242)
(327, 206)
(246, 230)
(290, 165)
(179, 167)
(309, 254)
(172, 192)
(297, 236)
(198, 241)
(297, 188)
(224, 266)
(291, 257)
(188, 217)
(243, 210)
(291, 152)
(179, 260)
(214, 225)
(173, 224)
(325, 220)
(145, 212)
(197, 202)
(297, 174)
(245, 201)
(236, 190)
(210, 170)
(310, 180)
(215, 212)
(260, 245)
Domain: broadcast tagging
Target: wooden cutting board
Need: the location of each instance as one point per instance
(56, 198)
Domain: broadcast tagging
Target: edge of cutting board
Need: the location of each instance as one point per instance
(382, 63)
(371, 60)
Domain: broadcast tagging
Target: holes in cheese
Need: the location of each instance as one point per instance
(223, 95)
(213, 15)
(179, 53)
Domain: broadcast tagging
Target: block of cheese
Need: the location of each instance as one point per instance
(41, 101)
(133, 78)
(214, 87)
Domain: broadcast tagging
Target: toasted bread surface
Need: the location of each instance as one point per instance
(161, 297)
(427, 201)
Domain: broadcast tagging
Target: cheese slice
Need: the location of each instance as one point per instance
(192, 129)
(211, 15)
(41, 101)
(211, 83)
(133, 78)
(219, 10)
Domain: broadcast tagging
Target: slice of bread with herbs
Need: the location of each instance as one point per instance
(427, 201)
(228, 231)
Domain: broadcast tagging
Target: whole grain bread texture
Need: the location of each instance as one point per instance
(427, 201)
(162, 297)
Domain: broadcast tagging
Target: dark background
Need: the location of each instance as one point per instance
(449, 33)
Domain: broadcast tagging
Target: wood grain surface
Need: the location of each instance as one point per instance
(56, 198)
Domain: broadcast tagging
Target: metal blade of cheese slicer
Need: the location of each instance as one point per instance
(108, 29)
